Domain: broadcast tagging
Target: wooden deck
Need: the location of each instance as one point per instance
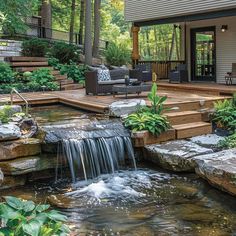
(187, 115)
(199, 88)
(77, 98)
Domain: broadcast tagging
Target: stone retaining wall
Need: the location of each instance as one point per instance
(9, 48)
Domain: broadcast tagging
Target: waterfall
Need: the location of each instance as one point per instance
(100, 148)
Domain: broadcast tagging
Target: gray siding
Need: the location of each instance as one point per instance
(142, 10)
(225, 44)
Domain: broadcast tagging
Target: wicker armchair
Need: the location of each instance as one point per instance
(142, 72)
(179, 75)
(231, 75)
(95, 87)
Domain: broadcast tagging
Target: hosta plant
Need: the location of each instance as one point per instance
(25, 218)
(154, 123)
(149, 118)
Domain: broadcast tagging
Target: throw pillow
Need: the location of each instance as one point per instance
(104, 75)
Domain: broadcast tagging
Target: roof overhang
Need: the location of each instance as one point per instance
(188, 18)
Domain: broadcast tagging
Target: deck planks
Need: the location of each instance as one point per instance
(175, 99)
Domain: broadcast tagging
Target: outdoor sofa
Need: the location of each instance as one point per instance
(95, 87)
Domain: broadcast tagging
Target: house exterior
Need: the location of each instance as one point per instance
(208, 32)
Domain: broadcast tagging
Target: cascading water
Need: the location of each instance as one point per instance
(98, 148)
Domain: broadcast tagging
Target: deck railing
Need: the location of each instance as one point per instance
(162, 68)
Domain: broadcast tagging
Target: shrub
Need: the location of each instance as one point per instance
(117, 55)
(5, 114)
(35, 47)
(154, 123)
(225, 114)
(150, 119)
(65, 52)
(228, 142)
(55, 63)
(6, 73)
(74, 71)
(42, 79)
(21, 217)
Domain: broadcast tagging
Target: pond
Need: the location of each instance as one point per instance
(143, 202)
(147, 201)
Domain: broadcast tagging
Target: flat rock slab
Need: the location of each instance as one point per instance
(9, 132)
(27, 165)
(19, 148)
(209, 140)
(125, 107)
(219, 169)
(13, 181)
(176, 155)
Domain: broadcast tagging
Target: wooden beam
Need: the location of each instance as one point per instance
(135, 52)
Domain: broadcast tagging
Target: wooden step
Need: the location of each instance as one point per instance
(184, 117)
(55, 72)
(66, 81)
(29, 64)
(26, 59)
(71, 86)
(192, 129)
(60, 77)
(24, 69)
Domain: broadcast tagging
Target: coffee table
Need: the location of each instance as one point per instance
(130, 89)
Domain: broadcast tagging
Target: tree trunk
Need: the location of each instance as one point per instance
(81, 22)
(72, 21)
(148, 43)
(97, 20)
(88, 33)
(46, 22)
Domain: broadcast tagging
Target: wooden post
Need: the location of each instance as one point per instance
(135, 52)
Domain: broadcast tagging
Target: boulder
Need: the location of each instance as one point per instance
(208, 140)
(13, 181)
(9, 132)
(27, 165)
(219, 169)
(28, 127)
(175, 155)
(125, 107)
(19, 148)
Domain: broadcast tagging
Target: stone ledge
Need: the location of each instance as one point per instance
(27, 165)
(19, 148)
(175, 155)
(219, 169)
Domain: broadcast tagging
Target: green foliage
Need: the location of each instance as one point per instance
(55, 63)
(154, 123)
(225, 114)
(117, 55)
(5, 114)
(228, 142)
(74, 71)
(157, 102)
(150, 119)
(6, 73)
(35, 47)
(13, 13)
(65, 52)
(22, 218)
(42, 79)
